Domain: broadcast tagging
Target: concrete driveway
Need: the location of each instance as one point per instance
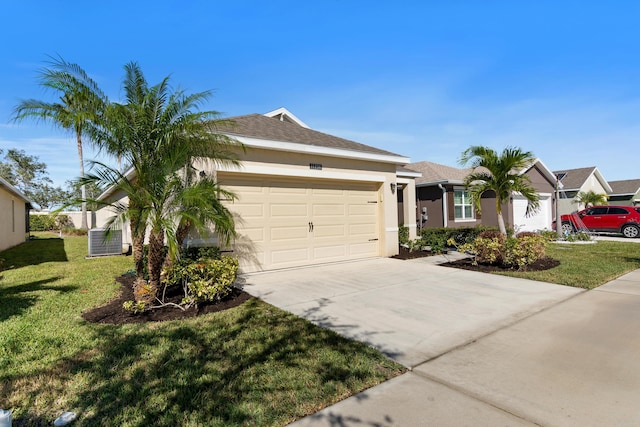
(412, 311)
(575, 364)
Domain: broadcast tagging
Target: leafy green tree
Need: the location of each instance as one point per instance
(591, 198)
(80, 102)
(29, 175)
(159, 132)
(499, 174)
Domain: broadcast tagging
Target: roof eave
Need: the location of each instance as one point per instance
(15, 191)
(315, 149)
(441, 181)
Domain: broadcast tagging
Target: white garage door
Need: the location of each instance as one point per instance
(287, 222)
(539, 221)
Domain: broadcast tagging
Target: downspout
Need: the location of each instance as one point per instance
(445, 214)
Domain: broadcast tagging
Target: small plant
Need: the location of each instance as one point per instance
(403, 235)
(549, 235)
(579, 236)
(415, 245)
(134, 307)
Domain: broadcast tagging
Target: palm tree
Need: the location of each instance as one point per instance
(80, 102)
(501, 175)
(591, 198)
(160, 133)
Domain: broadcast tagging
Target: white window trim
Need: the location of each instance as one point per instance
(473, 210)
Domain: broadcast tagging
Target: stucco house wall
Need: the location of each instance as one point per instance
(579, 180)
(430, 195)
(283, 155)
(14, 216)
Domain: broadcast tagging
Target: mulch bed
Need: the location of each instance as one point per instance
(406, 254)
(545, 263)
(113, 313)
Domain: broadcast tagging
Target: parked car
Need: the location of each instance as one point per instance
(608, 219)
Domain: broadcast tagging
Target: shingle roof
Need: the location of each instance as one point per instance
(435, 172)
(574, 178)
(627, 186)
(268, 128)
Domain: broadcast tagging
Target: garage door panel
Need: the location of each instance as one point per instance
(330, 252)
(367, 209)
(275, 214)
(329, 210)
(289, 210)
(362, 230)
(362, 249)
(538, 221)
(329, 231)
(250, 210)
(289, 233)
(289, 256)
(288, 191)
(254, 234)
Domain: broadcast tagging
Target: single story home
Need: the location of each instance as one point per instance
(625, 192)
(443, 201)
(307, 197)
(579, 180)
(14, 216)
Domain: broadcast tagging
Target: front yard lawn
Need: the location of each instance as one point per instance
(586, 266)
(250, 365)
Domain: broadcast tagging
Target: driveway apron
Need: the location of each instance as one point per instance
(412, 311)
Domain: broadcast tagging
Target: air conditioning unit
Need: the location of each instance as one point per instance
(101, 245)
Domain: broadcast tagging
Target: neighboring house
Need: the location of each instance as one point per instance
(625, 192)
(306, 197)
(443, 201)
(579, 180)
(14, 216)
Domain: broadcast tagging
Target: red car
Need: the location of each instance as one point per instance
(608, 219)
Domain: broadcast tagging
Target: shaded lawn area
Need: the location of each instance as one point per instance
(586, 266)
(250, 365)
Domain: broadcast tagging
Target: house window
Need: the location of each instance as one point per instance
(462, 205)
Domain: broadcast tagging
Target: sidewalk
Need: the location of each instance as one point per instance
(574, 364)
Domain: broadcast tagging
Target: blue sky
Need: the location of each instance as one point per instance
(425, 79)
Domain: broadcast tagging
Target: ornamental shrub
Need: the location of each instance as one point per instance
(203, 279)
(515, 252)
(523, 251)
(42, 222)
(403, 235)
(441, 238)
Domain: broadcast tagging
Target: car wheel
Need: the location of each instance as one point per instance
(567, 228)
(630, 231)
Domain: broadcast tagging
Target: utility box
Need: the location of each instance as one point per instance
(101, 245)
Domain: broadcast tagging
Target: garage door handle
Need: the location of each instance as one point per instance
(310, 227)
(373, 240)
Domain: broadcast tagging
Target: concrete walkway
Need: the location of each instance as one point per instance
(576, 363)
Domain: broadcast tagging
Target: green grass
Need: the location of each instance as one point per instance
(250, 365)
(586, 266)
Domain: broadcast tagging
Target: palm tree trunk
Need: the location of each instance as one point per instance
(501, 225)
(83, 189)
(137, 239)
(155, 260)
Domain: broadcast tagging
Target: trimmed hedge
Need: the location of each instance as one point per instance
(441, 238)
